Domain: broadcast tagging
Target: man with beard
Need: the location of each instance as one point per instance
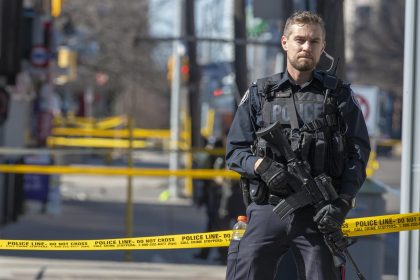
(325, 128)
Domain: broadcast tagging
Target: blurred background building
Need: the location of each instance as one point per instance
(64, 59)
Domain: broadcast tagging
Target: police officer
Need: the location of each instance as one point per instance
(326, 129)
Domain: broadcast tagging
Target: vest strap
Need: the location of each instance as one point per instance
(294, 123)
(326, 121)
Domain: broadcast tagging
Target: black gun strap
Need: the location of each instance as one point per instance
(294, 123)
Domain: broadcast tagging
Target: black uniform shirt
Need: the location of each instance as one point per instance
(249, 118)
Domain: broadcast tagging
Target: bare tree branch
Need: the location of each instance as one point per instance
(379, 49)
(135, 78)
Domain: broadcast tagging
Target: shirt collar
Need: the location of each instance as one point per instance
(305, 84)
(285, 79)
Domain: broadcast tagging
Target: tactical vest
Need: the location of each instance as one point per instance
(311, 120)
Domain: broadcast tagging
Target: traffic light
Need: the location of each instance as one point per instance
(185, 69)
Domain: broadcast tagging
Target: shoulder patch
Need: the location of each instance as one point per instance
(244, 98)
(355, 101)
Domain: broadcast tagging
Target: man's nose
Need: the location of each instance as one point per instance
(306, 46)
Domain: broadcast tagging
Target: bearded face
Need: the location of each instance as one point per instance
(304, 46)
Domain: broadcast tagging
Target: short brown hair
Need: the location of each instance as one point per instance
(303, 17)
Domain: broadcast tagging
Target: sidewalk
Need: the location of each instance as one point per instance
(13, 268)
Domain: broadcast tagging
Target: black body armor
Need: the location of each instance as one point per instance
(312, 120)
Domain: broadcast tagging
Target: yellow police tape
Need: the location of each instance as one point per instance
(381, 224)
(96, 142)
(352, 227)
(115, 133)
(117, 171)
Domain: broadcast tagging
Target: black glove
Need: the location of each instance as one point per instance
(276, 176)
(331, 217)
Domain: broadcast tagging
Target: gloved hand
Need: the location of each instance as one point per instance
(330, 218)
(276, 176)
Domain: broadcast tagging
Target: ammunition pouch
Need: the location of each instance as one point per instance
(324, 149)
(325, 187)
(258, 191)
(306, 145)
(254, 190)
(320, 153)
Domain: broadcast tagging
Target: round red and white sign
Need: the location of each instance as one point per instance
(39, 56)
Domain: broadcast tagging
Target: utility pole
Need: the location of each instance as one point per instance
(240, 63)
(408, 267)
(194, 75)
(177, 50)
(129, 203)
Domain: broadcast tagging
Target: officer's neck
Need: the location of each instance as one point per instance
(299, 77)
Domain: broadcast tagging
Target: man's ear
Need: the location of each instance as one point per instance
(283, 42)
(324, 45)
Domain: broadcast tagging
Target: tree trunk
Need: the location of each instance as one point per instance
(240, 62)
(194, 76)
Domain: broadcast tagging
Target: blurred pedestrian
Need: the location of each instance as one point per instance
(231, 201)
(208, 193)
(222, 197)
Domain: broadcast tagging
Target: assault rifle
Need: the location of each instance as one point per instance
(316, 191)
